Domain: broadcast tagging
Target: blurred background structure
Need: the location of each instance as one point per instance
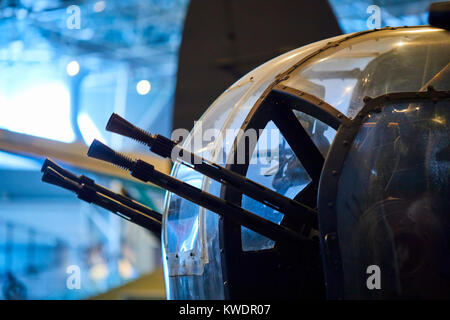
(65, 66)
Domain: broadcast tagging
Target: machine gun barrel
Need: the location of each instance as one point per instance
(147, 173)
(82, 179)
(90, 195)
(166, 148)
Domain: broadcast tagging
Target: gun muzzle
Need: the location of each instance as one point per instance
(53, 177)
(119, 125)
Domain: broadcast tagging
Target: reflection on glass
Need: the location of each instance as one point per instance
(274, 165)
(191, 244)
(374, 64)
(393, 203)
(321, 134)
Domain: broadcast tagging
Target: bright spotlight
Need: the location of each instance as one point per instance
(37, 103)
(143, 87)
(73, 68)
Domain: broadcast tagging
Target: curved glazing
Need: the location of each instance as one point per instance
(393, 203)
(193, 266)
(373, 64)
(340, 75)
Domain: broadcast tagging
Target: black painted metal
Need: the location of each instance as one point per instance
(82, 179)
(311, 105)
(330, 177)
(288, 273)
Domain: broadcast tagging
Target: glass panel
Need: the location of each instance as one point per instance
(274, 165)
(191, 245)
(375, 64)
(182, 227)
(196, 272)
(393, 203)
(321, 134)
